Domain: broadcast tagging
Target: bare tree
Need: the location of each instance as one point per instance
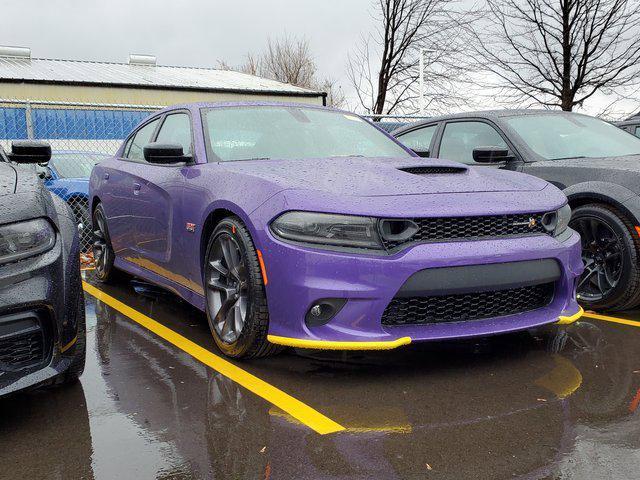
(289, 60)
(383, 69)
(558, 53)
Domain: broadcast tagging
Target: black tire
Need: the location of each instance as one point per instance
(626, 271)
(103, 252)
(80, 208)
(75, 370)
(251, 341)
(77, 365)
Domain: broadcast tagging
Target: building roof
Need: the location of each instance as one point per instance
(44, 70)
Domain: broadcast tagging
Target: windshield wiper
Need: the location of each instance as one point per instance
(570, 158)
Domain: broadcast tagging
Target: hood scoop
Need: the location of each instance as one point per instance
(433, 170)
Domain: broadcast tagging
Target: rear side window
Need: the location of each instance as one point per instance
(140, 140)
(419, 140)
(460, 138)
(176, 129)
(636, 132)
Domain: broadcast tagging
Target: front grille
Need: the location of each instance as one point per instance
(22, 351)
(466, 306)
(433, 170)
(458, 228)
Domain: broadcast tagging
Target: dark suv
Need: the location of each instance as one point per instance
(596, 164)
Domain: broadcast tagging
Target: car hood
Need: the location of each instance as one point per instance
(628, 163)
(7, 179)
(623, 171)
(379, 177)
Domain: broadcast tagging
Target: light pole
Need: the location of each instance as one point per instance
(421, 63)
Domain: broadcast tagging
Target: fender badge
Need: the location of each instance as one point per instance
(191, 227)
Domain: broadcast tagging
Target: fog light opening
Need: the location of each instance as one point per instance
(322, 311)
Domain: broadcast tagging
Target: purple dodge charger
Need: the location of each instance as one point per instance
(303, 226)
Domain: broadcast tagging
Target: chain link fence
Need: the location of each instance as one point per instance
(80, 136)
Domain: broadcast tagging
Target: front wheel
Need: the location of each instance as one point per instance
(611, 278)
(236, 301)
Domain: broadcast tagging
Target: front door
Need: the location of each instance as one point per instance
(156, 206)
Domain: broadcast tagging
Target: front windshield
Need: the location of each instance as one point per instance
(75, 165)
(558, 136)
(283, 132)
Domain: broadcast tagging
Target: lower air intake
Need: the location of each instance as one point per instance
(467, 306)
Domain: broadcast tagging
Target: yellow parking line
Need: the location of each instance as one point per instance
(294, 407)
(607, 318)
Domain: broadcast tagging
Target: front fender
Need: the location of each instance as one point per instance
(621, 197)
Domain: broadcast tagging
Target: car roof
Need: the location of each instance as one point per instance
(199, 105)
(483, 114)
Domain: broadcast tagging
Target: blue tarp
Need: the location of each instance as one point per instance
(56, 123)
(13, 123)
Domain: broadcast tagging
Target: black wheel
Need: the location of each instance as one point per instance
(236, 302)
(73, 373)
(80, 209)
(611, 279)
(103, 253)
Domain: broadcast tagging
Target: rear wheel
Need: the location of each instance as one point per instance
(103, 253)
(611, 279)
(236, 302)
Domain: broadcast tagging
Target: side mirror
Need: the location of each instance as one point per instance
(164, 153)
(422, 153)
(492, 155)
(29, 151)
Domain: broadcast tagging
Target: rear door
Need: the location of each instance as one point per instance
(421, 140)
(157, 196)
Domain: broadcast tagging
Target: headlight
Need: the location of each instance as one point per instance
(25, 239)
(328, 229)
(558, 221)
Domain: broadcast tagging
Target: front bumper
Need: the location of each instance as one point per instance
(299, 276)
(39, 295)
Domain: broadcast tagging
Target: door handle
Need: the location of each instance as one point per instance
(106, 176)
(136, 188)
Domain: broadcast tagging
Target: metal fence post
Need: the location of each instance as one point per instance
(29, 120)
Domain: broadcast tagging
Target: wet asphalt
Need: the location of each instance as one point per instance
(516, 406)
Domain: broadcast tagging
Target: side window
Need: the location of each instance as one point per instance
(140, 140)
(460, 138)
(125, 151)
(176, 129)
(419, 140)
(636, 131)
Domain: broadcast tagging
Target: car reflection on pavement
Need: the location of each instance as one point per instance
(501, 408)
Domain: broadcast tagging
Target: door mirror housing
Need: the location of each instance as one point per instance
(164, 153)
(423, 153)
(29, 151)
(492, 155)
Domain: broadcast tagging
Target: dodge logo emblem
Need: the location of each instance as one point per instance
(531, 223)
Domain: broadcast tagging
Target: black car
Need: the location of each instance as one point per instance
(42, 318)
(594, 162)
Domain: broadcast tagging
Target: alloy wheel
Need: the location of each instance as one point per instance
(602, 255)
(100, 248)
(227, 288)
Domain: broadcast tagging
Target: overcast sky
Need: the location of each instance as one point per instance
(183, 32)
(191, 32)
